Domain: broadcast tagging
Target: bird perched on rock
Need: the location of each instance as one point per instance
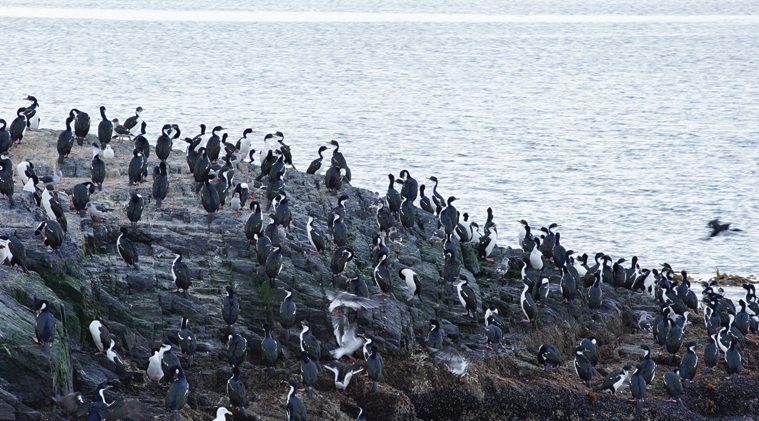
(186, 340)
(583, 366)
(100, 335)
(52, 235)
(178, 393)
(549, 357)
(308, 372)
(181, 273)
(374, 368)
(44, 327)
(647, 366)
(161, 184)
(126, 249)
(412, 283)
(230, 307)
(100, 409)
(316, 164)
(237, 349)
(467, 297)
(221, 414)
(105, 128)
(494, 334)
(236, 392)
(134, 208)
(638, 387)
(296, 411)
(674, 386)
(14, 251)
(309, 343)
(269, 352)
(614, 380)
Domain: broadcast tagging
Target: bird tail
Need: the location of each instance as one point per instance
(671, 358)
(374, 386)
(60, 160)
(47, 348)
(158, 202)
(707, 369)
(242, 411)
(639, 404)
(100, 186)
(136, 266)
(735, 377)
(587, 383)
(189, 361)
(11, 202)
(271, 371)
(680, 401)
(287, 334)
(175, 414)
(686, 383)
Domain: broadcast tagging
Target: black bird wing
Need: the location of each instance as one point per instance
(74, 404)
(120, 409)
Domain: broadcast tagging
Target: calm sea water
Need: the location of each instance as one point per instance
(630, 123)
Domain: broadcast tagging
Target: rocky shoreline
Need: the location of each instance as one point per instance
(91, 282)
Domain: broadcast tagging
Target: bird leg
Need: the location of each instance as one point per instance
(488, 259)
(412, 297)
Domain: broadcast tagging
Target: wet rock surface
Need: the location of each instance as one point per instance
(87, 280)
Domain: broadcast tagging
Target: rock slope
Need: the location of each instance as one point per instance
(88, 281)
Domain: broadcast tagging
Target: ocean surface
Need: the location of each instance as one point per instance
(630, 123)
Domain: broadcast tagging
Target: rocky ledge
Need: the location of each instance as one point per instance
(88, 281)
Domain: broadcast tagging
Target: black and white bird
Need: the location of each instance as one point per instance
(343, 373)
(638, 387)
(97, 167)
(287, 311)
(126, 249)
(467, 297)
(583, 366)
(32, 113)
(134, 209)
(161, 184)
(105, 128)
(180, 272)
(187, 342)
(236, 392)
(100, 409)
(614, 380)
(134, 122)
(44, 326)
(230, 307)
(412, 283)
(296, 411)
(549, 357)
(100, 336)
(309, 343)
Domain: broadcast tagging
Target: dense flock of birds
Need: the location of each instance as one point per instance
(212, 160)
